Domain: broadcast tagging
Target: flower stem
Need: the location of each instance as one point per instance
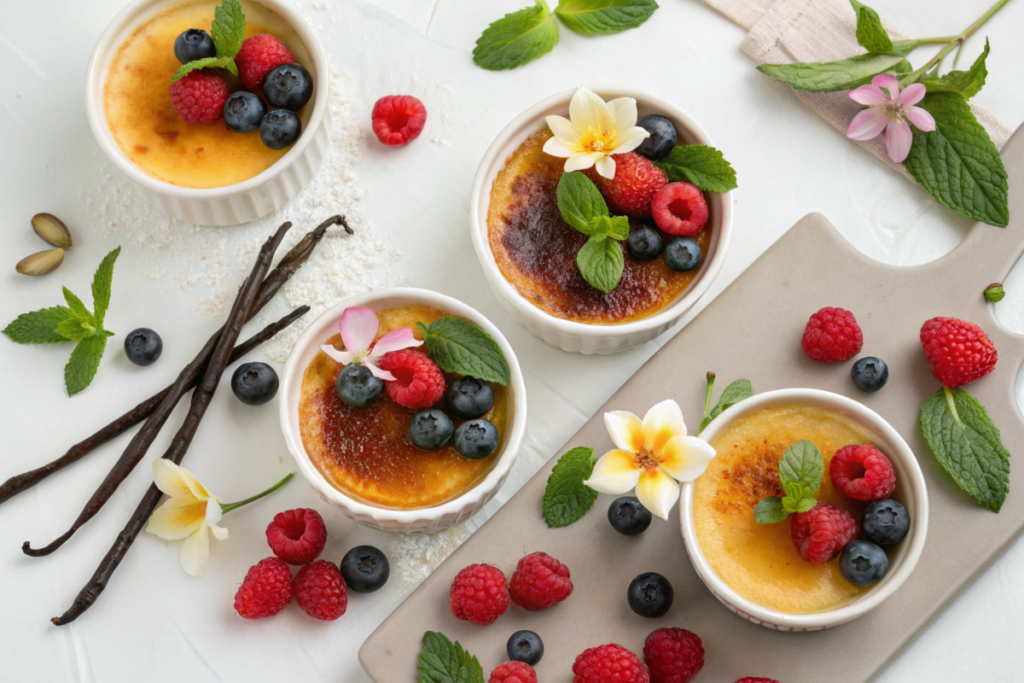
(231, 506)
(707, 397)
(951, 43)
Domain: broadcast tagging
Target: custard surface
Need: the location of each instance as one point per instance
(759, 561)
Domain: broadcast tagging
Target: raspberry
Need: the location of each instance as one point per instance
(320, 590)
(756, 679)
(636, 182)
(199, 97)
(418, 382)
(862, 473)
(258, 55)
(822, 532)
(680, 209)
(539, 582)
(398, 119)
(958, 351)
(297, 536)
(609, 664)
(513, 672)
(266, 590)
(832, 334)
(479, 594)
(674, 655)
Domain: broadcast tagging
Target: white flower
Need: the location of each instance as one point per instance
(594, 131)
(190, 513)
(652, 457)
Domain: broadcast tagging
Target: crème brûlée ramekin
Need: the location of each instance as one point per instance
(590, 337)
(830, 421)
(254, 185)
(424, 512)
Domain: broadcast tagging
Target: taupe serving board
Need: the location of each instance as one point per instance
(753, 330)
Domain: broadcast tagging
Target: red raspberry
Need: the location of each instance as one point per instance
(320, 590)
(680, 209)
(958, 351)
(822, 532)
(832, 334)
(862, 473)
(636, 182)
(513, 672)
(674, 655)
(539, 582)
(609, 664)
(756, 679)
(418, 382)
(199, 97)
(266, 590)
(258, 55)
(398, 119)
(479, 594)
(297, 536)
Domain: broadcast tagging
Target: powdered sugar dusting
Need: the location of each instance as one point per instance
(414, 557)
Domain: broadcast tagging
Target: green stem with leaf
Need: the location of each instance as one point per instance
(950, 43)
(225, 508)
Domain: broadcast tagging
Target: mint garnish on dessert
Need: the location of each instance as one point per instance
(591, 17)
(517, 38)
(600, 259)
(733, 394)
(227, 31)
(701, 165)
(457, 345)
(566, 497)
(441, 661)
(800, 472)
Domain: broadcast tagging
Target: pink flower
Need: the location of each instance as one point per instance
(889, 112)
(359, 327)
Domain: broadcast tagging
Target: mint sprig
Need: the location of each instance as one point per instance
(733, 394)
(800, 473)
(600, 259)
(870, 34)
(228, 32)
(592, 17)
(846, 74)
(441, 661)
(566, 497)
(967, 84)
(459, 346)
(517, 38)
(700, 165)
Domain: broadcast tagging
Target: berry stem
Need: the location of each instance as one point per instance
(231, 506)
(952, 405)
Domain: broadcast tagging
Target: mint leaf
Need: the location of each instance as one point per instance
(517, 38)
(228, 30)
(701, 165)
(457, 345)
(441, 661)
(75, 329)
(39, 327)
(870, 34)
(770, 510)
(803, 466)
(566, 497)
(591, 17)
(733, 394)
(806, 504)
(101, 283)
(78, 309)
(846, 74)
(969, 449)
(965, 83)
(601, 262)
(607, 226)
(205, 63)
(957, 163)
(85, 360)
(579, 201)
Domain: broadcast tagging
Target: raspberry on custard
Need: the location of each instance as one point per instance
(398, 119)
(297, 536)
(609, 664)
(266, 589)
(513, 672)
(320, 591)
(958, 351)
(199, 97)
(632, 189)
(680, 209)
(539, 582)
(862, 472)
(479, 594)
(832, 334)
(673, 655)
(257, 56)
(822, 532)
(418, 382)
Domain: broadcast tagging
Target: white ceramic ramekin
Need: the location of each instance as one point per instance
(910, 490)
(569, 335)
(239, 203)
(426, 520)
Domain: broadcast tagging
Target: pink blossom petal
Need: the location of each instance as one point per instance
(898, 139)
(371, 365)
(889, 82)
(395, 340)
(913, 94)
(868, 95)
(358, 326)
(867, 124)
(920, 118)
(343, 357)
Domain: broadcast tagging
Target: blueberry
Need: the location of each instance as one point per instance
(143, 346)
(628, 516)
(682, 254)
(526, 647)
(650, 595)
(469, 397)
(357, 387)
(476, 439)
(243, 111)
(661, 140)
(644, 243)
(863, 563)
(870, 373)
(365, 569)
(254, 383)
(885, 522)
(194, 44)
(430, 429)
(288, 86)
(280, 128)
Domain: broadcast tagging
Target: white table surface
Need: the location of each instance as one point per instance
(154, 622)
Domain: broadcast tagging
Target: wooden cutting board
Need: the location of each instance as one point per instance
(753, 330)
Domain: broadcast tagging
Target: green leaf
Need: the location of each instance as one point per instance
(770, 510)
(566, 497)
(801, 466)
(957, 163)
(39, 327)
(616, 227)
(733, 394)
(85, 360)
(870, 34)
(101, 283)
(965, 83)
(846, 74)
(76, 329)
(205, 63)
(78, 309)
(806, 504)
(441, 661)
(579, 201)
(969, 449)
(591, 17)
(517, 38)
(701, 165)
(228, 30)
(601, 263)
(457, 345)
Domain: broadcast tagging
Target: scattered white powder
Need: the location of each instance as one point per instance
(414, 557)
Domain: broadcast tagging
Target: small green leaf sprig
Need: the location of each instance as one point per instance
(227, 31)
(800, 472)
(733, 394)
(73, 322)
(442, 661)
(459, 346)
(600, 259)
(566, 497)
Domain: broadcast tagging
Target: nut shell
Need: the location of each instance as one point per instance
(52, 229)
(41, 262)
